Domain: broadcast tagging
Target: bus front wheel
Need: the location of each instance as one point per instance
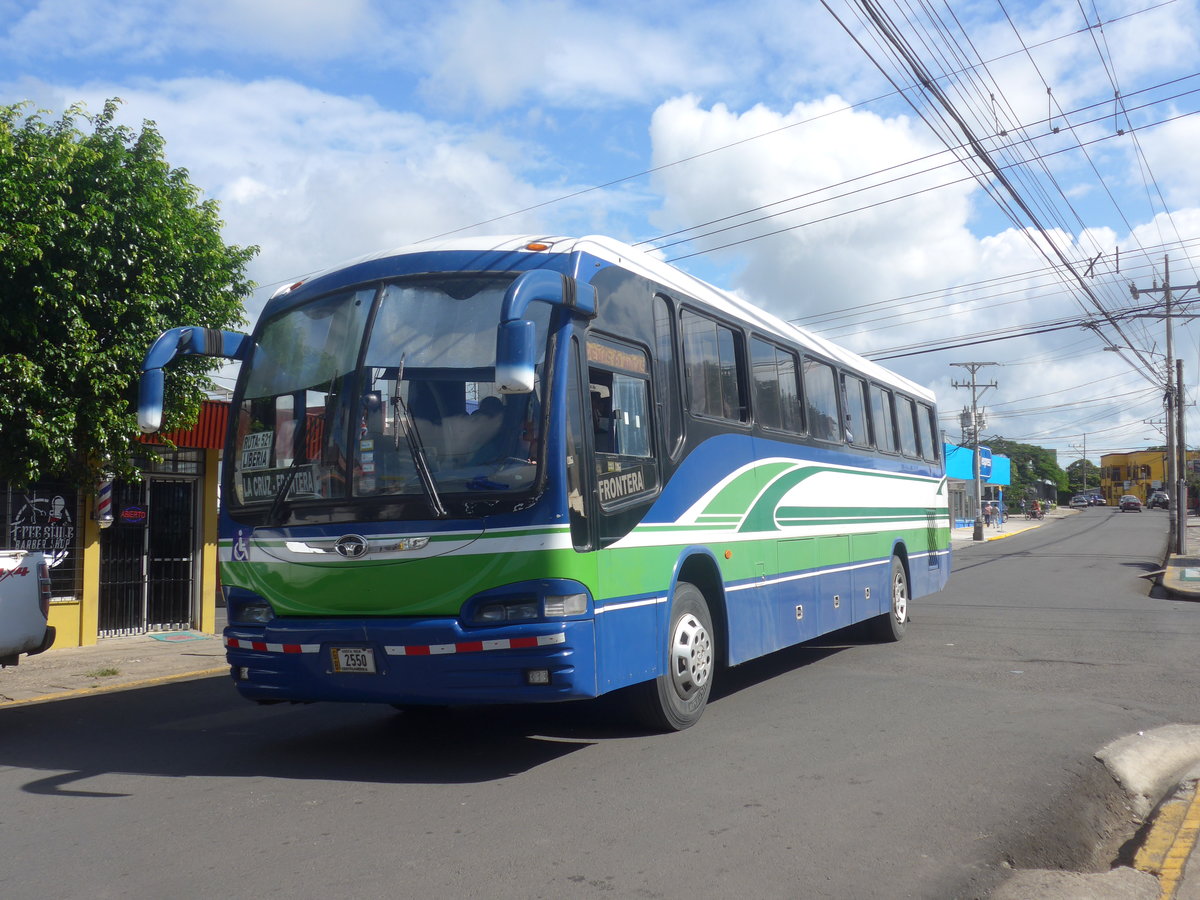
(675, 700)
(890, 626)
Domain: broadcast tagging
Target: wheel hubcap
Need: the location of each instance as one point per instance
(691, 656)
(899, 598)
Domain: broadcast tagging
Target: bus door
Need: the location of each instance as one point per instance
(625, 480)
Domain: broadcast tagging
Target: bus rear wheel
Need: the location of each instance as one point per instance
(889, 627)
(676, 699)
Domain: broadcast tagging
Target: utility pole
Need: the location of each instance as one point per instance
(1181, 451)
(1082, 462)
(976, 390)
(1173, 398)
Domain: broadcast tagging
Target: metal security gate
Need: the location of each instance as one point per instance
(148, 558)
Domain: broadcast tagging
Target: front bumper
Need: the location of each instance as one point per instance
(425, 661)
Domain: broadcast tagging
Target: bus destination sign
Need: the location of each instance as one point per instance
(264, 484)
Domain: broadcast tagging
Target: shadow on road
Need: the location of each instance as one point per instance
(202, 728)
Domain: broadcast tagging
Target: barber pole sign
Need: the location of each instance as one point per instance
(104, 508)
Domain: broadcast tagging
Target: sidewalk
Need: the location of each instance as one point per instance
(1181, 572)
(113, 664)
(1015, 524)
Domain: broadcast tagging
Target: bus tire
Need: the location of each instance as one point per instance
(890, 626)
(676, 699)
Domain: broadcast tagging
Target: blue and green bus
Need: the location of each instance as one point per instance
(523, 469)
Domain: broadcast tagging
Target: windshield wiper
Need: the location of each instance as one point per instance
(285, 486)
(408, 425)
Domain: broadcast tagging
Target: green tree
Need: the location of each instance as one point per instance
(102, 247)
(1032, 467)
(1076, 472)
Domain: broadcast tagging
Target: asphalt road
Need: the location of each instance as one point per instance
(840, 770)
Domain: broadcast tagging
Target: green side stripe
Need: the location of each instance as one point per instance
(762, 515)
(740, 492)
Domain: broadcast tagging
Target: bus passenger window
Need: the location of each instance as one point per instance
(884, 419)
(927, 428)
(820, 395)
(854, 392)
(776, 391)
(906, 415)
(710, 358)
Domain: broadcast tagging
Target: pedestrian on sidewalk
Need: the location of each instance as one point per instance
(987, 514)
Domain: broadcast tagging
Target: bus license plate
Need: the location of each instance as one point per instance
(354, 659)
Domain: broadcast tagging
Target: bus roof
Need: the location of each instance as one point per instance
(651, 267)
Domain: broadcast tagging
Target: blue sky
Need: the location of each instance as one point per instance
(328, 130)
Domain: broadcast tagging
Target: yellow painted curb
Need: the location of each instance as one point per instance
(1170, 842)
(110, 688)
(1180, 850)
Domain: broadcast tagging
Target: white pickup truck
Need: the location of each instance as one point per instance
(24, 605)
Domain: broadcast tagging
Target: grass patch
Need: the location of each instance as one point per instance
(102, 673)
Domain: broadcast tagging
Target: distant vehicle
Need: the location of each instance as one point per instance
(24, 605)
(1158, 498)
(1099, 501)
(1079, 502)
(1130, 503)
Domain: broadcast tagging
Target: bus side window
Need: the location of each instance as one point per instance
(927, 429)
(854, 396)
(884, 419)
(821, 398)
(620, 413)
(667, 374)
(906, 416)
(712, 367)
(776, 391)
(576, 507)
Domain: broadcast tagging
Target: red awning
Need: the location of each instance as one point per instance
(207, 434)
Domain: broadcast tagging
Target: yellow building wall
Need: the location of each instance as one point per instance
(1152, 462)
(209, 585)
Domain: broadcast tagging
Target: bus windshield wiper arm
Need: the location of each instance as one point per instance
(406, 424)
(285, 486)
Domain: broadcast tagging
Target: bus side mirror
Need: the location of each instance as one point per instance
(514, 357)
(150, 401)
(515, 351)
(186, 341)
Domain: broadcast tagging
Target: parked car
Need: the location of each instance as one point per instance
(1158, 498)
(1130, 503)
(1099, 501)
(1079, 502)
(24, 605)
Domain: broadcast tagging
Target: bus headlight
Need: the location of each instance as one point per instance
(507, 611)
(557, 599)
(254, 613)
(566, 605)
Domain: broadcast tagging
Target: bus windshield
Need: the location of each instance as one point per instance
(386, 391)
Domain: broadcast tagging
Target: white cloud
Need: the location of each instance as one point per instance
(315, 179)
(501, 53)
(882, 249)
